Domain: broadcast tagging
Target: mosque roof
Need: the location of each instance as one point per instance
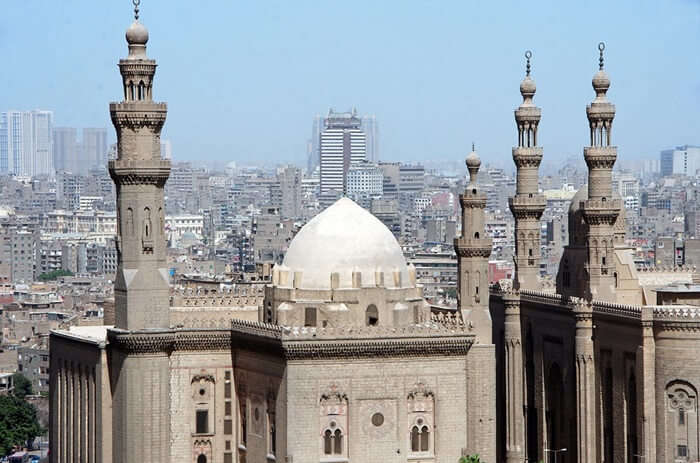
(343, 239)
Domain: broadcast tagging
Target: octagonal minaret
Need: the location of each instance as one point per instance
(139, 173)
(600, 210)
(473, 250)
(527, 205)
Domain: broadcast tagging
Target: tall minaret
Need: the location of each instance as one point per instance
(138, 345)
(527, 205)
(139, 173)
(473, 251)
(600, 210)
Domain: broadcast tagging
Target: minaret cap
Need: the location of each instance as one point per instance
(527, 86)
(601, 81)
(473, 163)
(137, 35)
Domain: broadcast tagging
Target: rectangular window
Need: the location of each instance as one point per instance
(227, 408)
(228, 458)
(227, 390)
(227, 375)
(228, 445)
(228, 427)
(202, 422)
(682, 450)
(681, 417)
(310, 316)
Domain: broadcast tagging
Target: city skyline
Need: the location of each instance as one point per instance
(433, 91)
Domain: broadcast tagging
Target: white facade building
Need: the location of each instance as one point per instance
(365, 179)
(26, 143)
(684, 160)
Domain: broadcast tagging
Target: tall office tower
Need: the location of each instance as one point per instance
(342, 143)
(527, 205)
(166, 149)
(369, 126)
(42, 140)
(312, 148)
(26, 143)
(601, 209)
(289, 179)
(94, 149)
(141, 289)
(65, 149)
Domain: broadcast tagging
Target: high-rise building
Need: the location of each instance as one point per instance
(65, 149)
(684, 160)
(289, 179)
(26, 143)
(94, 148)
(342, 143)
(313, 155)
(369, 126)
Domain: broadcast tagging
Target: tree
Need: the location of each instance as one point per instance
(50, 276)
(22, 386)
(470, 459)
(18, 423)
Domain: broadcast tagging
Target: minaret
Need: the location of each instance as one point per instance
(600, 210)
(473, 251)
(138, 345)
(527, 205)
(139, 173)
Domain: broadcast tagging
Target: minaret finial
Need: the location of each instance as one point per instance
(473, 146)
(528, 55)
(601, 47)
(136, 8)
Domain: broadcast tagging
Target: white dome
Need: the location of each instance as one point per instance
(343, 239)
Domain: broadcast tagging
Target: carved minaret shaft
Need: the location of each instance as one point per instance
(140, 378)
(473, 251)
(139, 173)
(527, 205)
(600, 210)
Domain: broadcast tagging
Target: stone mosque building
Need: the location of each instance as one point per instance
(345, 362)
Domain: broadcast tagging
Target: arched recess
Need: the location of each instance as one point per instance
(555, 404)
(531, 422)
(372, 315)
(681, 421)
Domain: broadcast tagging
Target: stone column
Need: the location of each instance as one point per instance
(515, 438)
(647, 399)
(585, 383)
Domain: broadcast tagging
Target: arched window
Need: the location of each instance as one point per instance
(333, 442)
(142, 91)
(681, 415)
(338, 442)
(420, 439)
(372, 315)
(327, 442)
(202, 458)
(476, 235)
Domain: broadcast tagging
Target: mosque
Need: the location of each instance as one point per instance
(345, 362)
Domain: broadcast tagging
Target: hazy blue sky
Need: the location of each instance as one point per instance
(243, 80)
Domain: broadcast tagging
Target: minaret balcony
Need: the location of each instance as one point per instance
(472, 200)
(600, 212)
(527, 206)
(600, 157)
(473, 247)
(147, 171)
(527, 156)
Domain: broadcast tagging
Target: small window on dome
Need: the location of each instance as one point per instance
(372, 315)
